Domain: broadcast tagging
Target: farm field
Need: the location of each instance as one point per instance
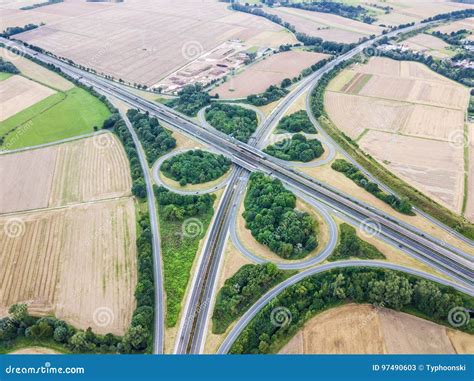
(324, 25)
(258, 77)
(406, 11)
(456, 25)
(140, 41)
(84, 170)
(60, 116)
(36, 72)
(425, 43)
(18, 93)
(400, 113)
(35, 350)
(42, 252)
(469, 212)
(365, 329)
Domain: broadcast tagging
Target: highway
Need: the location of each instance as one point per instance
(256, 307)
(158, 343)
(453, 262)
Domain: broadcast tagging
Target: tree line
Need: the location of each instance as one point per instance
(39, 5)
(357, 12)
(195, 167)
(453, 38)
(271, 94)
(402, 205)
(296, 122)
(298, 148)
(232, 120)
(155, 139)
(351, 246)
(271, 216)
(242, 290)
(317, 293)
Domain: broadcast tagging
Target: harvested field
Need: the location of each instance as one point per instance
(324, 25)
(41, 255)
(412, 159)
(401, 114)
(425, 43)
(271, 71)
(467, 24)
(84, 170)
(140, 40)
(36, 72)
(90, 169)
(35, 350)
(18, 93)
(364, 329)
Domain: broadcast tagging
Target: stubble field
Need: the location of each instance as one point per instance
(364, 329)
(271, 71)
(140, 41)
(402, 115)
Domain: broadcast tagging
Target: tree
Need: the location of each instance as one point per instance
(136, 337)
(19, 311)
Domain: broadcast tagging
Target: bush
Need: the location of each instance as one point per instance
(190, 100)
(296, 122)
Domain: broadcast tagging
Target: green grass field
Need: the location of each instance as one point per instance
(4, 76)
(60, 116)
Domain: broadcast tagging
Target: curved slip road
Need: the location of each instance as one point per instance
(158, 181)
(265, 299)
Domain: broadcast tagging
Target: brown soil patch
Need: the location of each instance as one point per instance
(35, 351)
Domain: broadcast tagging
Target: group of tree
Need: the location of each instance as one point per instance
(453, 38)
(177, 207)
(12, 30)
(344, 10)
(39, 5)
(271, 94)
(155, 139)
(271, 216)
(242, 290)
(318, 44)
(8, 67)
(191, 99)
(402, 205)
(19, 325)
(298, 148)
(317, 293)
(232, 120)
(351, 246)
(184, 220)
(296, 122)
(287, 82)
(195, 167)
(455, 15)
